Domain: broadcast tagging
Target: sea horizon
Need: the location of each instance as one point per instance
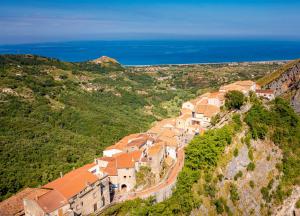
(164, 52)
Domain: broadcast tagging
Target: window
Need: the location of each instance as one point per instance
(103, 202)
(95, 207)
(124, 177)
(81, 203)
(129, 176)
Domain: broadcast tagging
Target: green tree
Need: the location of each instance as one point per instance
(234, 100)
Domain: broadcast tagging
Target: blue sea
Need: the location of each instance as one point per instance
(152, 52)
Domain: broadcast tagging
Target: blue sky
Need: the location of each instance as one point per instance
(53, 20)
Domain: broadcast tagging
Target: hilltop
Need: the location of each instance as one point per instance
(285, 82)
(59, 115)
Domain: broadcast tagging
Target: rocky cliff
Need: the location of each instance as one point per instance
(286, 82)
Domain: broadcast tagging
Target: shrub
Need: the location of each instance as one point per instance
(250, 154)
(234, 100)
(251, 183)
(234, 195)
(238, 175)
(298, 204)
(251, 166)
(236, 152)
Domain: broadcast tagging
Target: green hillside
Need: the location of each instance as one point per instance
(277, 73)
(55, 115)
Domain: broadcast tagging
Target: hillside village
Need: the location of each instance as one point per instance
(106, 180)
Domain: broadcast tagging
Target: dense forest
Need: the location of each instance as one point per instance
(56, 116)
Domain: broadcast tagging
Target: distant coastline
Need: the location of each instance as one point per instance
(146, 53)
(214, 63)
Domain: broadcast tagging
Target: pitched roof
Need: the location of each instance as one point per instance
(245, 83)
(239, 86)
(51, 201)
(266, 91)
(185, 116)
(73, 182)
(207, 110)
(167, 133)
(14, 204)
(120, 161)
(185, 110)
(162, 125)
(124, 160)
(153, 150)
(131, 140)
(217, 95)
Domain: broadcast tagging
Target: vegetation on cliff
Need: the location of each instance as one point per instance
(282, 125)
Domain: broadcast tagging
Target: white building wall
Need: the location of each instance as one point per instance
(171, 151)
(111, 152)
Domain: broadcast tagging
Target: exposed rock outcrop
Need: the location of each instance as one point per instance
(105, 60)
(288, 84)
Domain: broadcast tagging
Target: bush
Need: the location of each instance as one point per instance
(251, 166)
(234, 100)
(298, 204)
(251, 183)
(236, 152)
(234, 195)
(238, 175)
(250, 154)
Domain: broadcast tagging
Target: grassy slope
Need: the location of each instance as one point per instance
(49, 123)
(272, 76)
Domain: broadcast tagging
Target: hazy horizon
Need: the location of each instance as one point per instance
(62, 21)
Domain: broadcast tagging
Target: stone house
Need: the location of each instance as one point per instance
(82, 191)
(156, 155)
(130, 143)
(121, 169)
(184, 121)
(244, 86)
(203, 114)
(268, 94)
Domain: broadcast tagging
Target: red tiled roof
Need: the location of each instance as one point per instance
(131, 140)
(51, 201)
(153, 150)
(73, 182)
(267, 91)
(14, 204)
(124, 160)
(207, 110)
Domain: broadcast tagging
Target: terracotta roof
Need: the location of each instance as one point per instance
(184, 111)
(162, 125)
(207, 110)
(73, 182)
(14, 204)
(124, 160)
(185, 116)
(267, 91)
(131, 140)
(239, 86)
(245, 83)
(153, 150)
(218, 95)
(51, 201)
(167, 133)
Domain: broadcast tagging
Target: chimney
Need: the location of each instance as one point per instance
(61, 174)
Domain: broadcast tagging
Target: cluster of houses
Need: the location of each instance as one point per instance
(90, 188)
